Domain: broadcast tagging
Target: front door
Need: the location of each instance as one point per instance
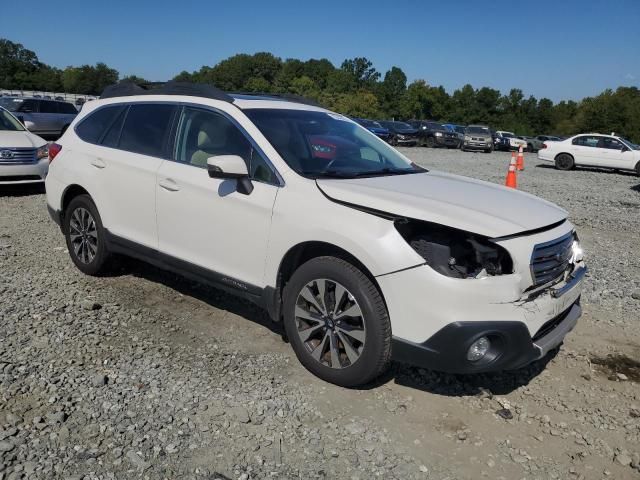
(204, 221)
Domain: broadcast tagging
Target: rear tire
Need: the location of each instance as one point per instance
(564, 161)
(638, 169)
(347, 349)
(530, 148)
(85, 236)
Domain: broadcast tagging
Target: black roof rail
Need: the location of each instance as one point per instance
(281, 96)
(127, 88)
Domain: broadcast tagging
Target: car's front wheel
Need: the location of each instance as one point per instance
(85, 236)
(564, 161)
(430, 142)
(337, 322)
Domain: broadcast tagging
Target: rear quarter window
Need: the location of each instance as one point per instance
(94, 126)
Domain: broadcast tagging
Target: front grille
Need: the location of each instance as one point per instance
(17, 156)
(551, 259)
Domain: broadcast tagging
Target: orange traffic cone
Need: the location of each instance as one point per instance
(520, 161)
(511, 181)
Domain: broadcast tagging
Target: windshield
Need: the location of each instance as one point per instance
(631, 145)
(477, 130)
(459, 129)
(507, 134)
(9, 123)
(320, 144)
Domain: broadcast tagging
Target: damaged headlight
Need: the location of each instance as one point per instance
(455, 253)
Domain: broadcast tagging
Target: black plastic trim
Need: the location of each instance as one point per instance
(446, 351)
(231, 285)
(128, 89)
(55, 215)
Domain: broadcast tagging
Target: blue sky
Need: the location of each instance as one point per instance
(562, 49)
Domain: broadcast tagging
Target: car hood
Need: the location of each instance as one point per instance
(25, 139)
(455, 201)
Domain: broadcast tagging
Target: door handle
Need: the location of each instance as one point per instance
(98, 163)
(169, 185)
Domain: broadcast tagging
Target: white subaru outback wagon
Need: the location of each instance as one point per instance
(364, 255)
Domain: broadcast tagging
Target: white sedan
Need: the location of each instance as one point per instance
(23, 155)
(592, 150)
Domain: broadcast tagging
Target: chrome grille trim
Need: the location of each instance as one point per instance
(550, 260)
(19, 156)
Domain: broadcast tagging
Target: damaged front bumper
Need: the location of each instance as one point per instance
(437, 327)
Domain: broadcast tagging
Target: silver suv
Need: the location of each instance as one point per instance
(42, 117)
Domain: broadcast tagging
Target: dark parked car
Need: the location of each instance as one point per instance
(401, 133)
(375, 128)
(500, 144)
(434, 134)
(42, 117)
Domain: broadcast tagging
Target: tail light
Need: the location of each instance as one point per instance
(54, 150)
(544, 145)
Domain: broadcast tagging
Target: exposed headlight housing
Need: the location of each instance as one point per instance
(577, 254)
(455, 253)
(467, 138)
(438, 134)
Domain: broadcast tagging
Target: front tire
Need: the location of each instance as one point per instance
(430, 142)
(337, 322)
(564, 161)
(85, 236)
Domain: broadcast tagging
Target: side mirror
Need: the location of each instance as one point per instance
(231, 167)
(625, 149)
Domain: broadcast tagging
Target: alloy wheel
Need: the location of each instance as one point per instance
(330, 323)
(83, 235)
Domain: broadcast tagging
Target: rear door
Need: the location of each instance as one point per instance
(48, 117)
(125, 147)
(66, 114)
(585, 150)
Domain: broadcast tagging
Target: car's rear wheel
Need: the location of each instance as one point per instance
(530, 148)
(564, 161)
(337, 322)
(85, 236)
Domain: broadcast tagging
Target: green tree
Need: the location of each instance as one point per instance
(362, 70)
(391, 92)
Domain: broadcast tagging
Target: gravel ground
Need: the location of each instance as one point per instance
(145, 375)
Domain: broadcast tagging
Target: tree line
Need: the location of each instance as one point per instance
(355, 88)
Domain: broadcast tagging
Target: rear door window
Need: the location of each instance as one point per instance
(146, 129)
(586, 141)
(64, 107)
(48, 107)
(92, 128)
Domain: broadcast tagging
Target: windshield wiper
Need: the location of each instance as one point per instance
(385, 171)
(328, 174)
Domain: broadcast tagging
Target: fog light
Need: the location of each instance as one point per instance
(478, 349)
